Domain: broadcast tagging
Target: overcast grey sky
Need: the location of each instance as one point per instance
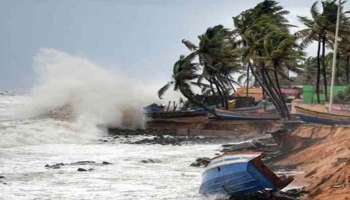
(141, 38)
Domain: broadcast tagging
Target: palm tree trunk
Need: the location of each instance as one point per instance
(272, 92)
(263, 85)
(277, 95)
(324, 68)
(347, 69)
(212, 88)
(277, 79)
(224, 92)
(218, 88)
(190, 97)
(247, 87)
(318, 76)
(280, 90)
(231, 81)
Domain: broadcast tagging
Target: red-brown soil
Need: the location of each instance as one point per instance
(323, 154)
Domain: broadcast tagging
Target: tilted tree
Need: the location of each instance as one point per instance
(267, 48)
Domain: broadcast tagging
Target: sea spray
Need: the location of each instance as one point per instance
(87, 89)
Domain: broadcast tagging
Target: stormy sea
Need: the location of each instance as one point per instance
(52, 145)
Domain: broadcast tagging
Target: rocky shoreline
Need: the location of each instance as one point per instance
(319, 155)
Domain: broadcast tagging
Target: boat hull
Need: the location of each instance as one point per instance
(175, 114)
(238, 176)
(234, 115)
(311, 116)
(240, 179)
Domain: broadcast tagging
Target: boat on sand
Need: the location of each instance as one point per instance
(242, 115)
(239, 175)
(320, 115)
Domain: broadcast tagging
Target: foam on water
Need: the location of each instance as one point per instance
(126, 179)
(29, 139)
(27, 145)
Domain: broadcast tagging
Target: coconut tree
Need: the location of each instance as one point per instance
(265, 39)
(321, 28)
(219, 59)
(184, 74)
(241, 23)
(312, 33)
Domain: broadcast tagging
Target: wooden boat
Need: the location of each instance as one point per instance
(241, 115)
(175, 114)
(322, 116)
(239, 175)
(260, 107)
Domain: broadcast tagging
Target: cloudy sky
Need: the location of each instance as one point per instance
(140, 38)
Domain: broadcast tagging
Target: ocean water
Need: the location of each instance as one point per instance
(28, 144)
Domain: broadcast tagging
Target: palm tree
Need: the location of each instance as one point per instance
(311, 33)
(321, 29)
(219, 59)
(184, 73)
(241, 24)
(265, 35)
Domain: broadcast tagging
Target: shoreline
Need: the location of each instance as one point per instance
(319, 154)
(322, 153)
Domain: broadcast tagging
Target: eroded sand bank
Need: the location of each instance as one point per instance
(323, 154)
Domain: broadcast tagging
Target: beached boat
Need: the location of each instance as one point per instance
(175, 114)
(156, 112)
(239, 175)
(322, 116)
(243, 115)
(260, 107)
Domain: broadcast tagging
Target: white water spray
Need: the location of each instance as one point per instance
(90, 91)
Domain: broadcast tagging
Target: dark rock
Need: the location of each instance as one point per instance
(163, 140)
(151, 161)
(83, 163)
(54, 166)
(267, 195)
(243, 146)
(295, 193)
(2, 176)
(106, 163)
(81, 170)
(201, 162)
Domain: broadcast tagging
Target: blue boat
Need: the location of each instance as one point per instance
(239, 176)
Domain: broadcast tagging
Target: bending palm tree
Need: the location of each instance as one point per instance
(184, 72)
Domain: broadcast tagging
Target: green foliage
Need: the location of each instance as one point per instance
(261, 44)
(343, 97)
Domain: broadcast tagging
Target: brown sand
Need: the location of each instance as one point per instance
(323, 154)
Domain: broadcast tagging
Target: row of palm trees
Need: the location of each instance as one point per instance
(320, 28)
(260, 48)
